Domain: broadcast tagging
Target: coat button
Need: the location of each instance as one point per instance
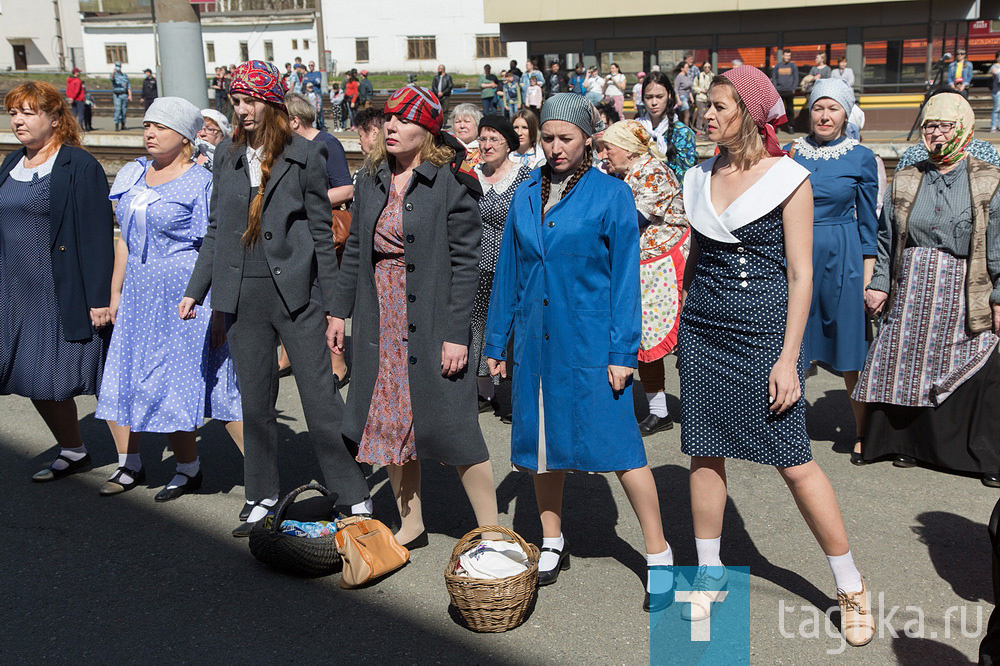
(743, 260)
(552, 224)
(277, 270)
(410, 268)
(546, 336)
(409, 238)
(267, 235)
(545, 301)
(503, 354)
(411, 298)
(743, 284)
(408, 206)
(412, 328)
(413, 360)
(62, 248)
(740, 249)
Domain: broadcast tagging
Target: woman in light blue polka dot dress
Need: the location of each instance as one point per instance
(163, 374)
(748, 285)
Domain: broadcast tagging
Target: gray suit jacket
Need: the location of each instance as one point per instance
(296, 227)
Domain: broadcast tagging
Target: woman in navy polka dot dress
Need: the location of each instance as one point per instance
(163, 374)
(748, 289)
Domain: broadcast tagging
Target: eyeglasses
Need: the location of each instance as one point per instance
(211, 130)
(492, 140)
(944, 128)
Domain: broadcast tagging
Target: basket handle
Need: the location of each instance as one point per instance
(475, 534)
(279, 513)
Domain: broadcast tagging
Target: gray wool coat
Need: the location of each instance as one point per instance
(295, 227)
(442, 232)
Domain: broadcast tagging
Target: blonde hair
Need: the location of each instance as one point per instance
(187, 150)
(300, 107)
(747, 148)
(432, 149)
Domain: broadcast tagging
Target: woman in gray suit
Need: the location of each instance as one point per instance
(409, 278)
(269, 259)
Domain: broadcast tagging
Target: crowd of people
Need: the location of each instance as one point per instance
(545, 254)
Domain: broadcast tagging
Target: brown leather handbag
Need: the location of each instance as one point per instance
(368, 549)
(341, 229)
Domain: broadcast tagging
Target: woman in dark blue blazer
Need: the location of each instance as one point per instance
(56, 260)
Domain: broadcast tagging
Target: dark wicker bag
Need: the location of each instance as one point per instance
(299, 555)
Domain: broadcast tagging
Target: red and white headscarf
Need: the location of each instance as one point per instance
(762, 101)
(417, 105)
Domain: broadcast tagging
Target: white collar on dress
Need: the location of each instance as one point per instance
(760, 199)
(26, 174)
(827, 151)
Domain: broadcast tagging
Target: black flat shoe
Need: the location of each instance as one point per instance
(341, 383)
(904, 462)
(654, 603)
(418, 541)
(485, 405)
(285, 371)
(245, 511)
(991, 480)
(72, 467)
(653, 424)
(244, 528)
(115, 485)
(857, 459)
(507, 418)
(193, 483)
(550, 576)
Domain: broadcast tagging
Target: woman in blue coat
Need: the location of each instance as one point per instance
(566, 290)
(845, 237)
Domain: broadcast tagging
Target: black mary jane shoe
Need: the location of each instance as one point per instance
(418, 541)
(341, 383)
(991, 480)
(245, 511)
(653, 424)
(244, 528)
(550, 576)
(285, 371)
(904, 462)
(115, 485)
(193, 483)
(654, 603)
(72, 467)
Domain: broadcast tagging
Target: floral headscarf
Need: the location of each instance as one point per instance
(949, 108)
(630, 135)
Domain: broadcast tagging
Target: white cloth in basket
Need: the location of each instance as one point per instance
(492, 559)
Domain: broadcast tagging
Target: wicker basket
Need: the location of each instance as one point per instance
(299, 555)
(493, 605)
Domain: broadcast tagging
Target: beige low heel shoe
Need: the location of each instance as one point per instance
(857, 624)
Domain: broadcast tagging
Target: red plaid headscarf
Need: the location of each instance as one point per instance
(762, 101)
(417, 105)
(260, 80)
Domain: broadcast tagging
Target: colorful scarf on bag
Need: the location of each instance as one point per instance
(949, 108)
(762, 101)
(632, 136)
(260, 80)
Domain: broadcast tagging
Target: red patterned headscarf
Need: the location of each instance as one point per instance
(762, 101)
(417, 105)
(260, 80)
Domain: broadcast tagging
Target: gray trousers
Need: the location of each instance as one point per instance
(261, 320)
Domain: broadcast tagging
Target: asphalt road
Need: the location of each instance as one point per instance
(88, 579)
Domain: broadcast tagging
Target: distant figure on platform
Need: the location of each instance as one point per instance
(76, 94)
(785, 78)
(843, 72)
(442, 87)
(149, 92)
(960, 74)
(121, 94)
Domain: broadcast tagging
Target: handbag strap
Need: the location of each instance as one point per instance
(279, 512)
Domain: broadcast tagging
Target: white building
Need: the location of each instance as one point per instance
(416, 37)
(40, 36)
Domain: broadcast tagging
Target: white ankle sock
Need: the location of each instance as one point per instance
(549, 561)
(364, 506)
(72, 454)
(658, 404)
(664, 580)
(261, 508)
(845, 573)
(485, 386)
(708, 551)
(190, 469)
(131, 462)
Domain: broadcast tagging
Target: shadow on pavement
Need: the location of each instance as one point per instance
(960, 552)
(921, 651)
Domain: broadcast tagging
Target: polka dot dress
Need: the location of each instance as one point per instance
(162, 374)
(36, 360)
(731, 333)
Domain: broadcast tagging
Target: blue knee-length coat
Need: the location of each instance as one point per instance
(566, 291)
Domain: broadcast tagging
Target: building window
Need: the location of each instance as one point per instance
(490, 46)
(116, 53)
(269, 51)
(305, 44)
(244, 52)
(361, 50)
(210, 51)
(295, 45)
(421, 48)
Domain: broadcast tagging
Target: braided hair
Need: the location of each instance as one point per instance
(661, 79)
(588, 159)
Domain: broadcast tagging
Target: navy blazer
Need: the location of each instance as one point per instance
(83, 243)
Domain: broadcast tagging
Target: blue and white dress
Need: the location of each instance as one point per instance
(845, 230)
(162, 374)
(733, 324)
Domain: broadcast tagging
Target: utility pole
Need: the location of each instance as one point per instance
(59, 37)
(178, 31)
(321, 44)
